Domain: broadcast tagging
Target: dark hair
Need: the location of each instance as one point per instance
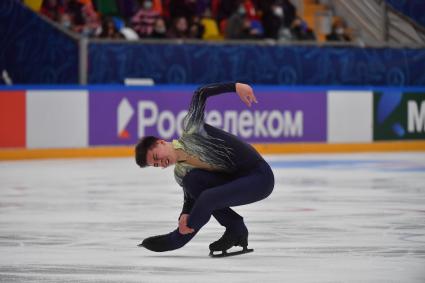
(142, 148)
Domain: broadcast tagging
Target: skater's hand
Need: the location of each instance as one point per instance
(183, 229)
(246, 94)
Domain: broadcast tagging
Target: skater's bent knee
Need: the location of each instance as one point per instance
(268, 178)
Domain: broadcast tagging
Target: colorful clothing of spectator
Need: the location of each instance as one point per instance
(144, 20)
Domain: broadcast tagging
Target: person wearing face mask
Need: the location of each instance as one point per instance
(235, 24)
(65, 21)
(216, 170)
(300, 30)
(272, 21)
(239, 26)
(338, 32)
(277, 16)
(144, 20)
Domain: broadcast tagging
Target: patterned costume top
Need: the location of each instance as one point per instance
(217, 148)
(196, 141)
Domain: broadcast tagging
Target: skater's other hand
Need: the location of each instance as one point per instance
(183, 229)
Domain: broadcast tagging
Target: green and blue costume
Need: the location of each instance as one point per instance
(240, 175)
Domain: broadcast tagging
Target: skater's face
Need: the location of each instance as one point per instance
(161, 155)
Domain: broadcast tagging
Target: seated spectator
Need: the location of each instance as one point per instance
(235, 24)
(75, 9)
(239, 26)
(272, 20)
(300, 30)
(196, 29)
(210, 28)
(256, 28)
(65, 20)
(109, 30)
(92, 25)
(250, 10)
(143, 21)
(52, 9)
(160, 29)
(277, 18)
(179, 28)
(338, 32)
(251, 29)
(127, 32)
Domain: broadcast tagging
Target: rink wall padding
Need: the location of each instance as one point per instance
(106, 121)
(12, 118)
(57, 118)
(350, 116)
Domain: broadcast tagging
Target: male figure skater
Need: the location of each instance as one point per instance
(216, 170)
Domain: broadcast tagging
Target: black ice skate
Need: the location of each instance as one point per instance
(226, 242)
(158, 243)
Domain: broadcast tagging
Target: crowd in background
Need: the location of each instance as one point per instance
(184, 19)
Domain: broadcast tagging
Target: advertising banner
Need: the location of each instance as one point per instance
(121, 117)
(399, 116)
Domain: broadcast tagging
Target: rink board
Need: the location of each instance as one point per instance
(96, 120)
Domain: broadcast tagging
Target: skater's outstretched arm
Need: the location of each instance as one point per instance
(195, 116)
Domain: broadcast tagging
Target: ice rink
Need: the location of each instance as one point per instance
(331, 218)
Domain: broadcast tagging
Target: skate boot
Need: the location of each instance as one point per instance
(160, 243)
(227, 241)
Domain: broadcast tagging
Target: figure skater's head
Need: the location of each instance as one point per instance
(152, 151)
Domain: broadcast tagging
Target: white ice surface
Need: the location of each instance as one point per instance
(331, 218)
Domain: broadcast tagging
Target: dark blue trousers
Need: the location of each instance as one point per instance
(215, 193)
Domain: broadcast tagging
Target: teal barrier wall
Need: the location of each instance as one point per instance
(32, 51)
(285, 65)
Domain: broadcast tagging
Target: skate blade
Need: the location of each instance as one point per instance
(226, 254)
